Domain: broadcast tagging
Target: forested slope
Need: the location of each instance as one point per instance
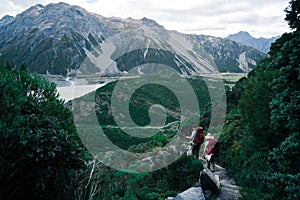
(261, 135)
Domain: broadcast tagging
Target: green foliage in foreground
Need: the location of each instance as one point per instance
(157, 185)
(41, 156)
(39, 147)
(261, 137)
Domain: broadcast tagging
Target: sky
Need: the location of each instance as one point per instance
(261, 18)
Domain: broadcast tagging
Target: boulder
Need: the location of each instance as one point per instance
(209, 182)
(214, 185)
(194, 193)
(229, 191)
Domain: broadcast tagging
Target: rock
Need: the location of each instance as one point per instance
(214, 186)
(194, 193)
(209, 182)
(230, 184)
(229, 194)
(222, 174)
(219, 168)
(170, 198)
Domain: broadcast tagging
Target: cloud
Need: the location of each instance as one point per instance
(26, 4)
(9, 8)
(91, 1)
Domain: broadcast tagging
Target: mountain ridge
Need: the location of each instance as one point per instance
(261, 43)
(59, 38)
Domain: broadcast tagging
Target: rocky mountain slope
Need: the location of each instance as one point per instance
(262, 44)
(63, 39)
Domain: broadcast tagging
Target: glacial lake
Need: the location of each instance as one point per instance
(74, 91)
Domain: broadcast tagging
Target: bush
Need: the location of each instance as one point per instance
(39, 147)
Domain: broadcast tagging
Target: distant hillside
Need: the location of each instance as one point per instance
(262, 44)
(61, 39)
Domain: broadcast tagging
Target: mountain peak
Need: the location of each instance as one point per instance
(60, 4)
(6, 19)
(36, 7)
(240, 34)
(245, 33)
(150, 22)
(64, 6)
(243, 37)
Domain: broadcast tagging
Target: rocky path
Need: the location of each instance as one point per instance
(228, 189)
(215, 185)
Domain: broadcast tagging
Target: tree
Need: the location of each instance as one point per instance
(285, 119)
(254, 106)
(285, 104)
(293, 14)
(269, 167)
(39, 147)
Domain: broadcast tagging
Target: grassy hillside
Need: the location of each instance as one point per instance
(139, 104)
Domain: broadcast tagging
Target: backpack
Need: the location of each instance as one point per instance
(213, 147)
(199, 137)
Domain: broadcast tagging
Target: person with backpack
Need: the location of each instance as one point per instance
(197, 138)
(212, 151)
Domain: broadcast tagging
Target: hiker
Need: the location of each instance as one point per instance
(212, 151)
(197, 138)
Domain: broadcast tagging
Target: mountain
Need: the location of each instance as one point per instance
(63, 39)
(262, 44)
(6, 19)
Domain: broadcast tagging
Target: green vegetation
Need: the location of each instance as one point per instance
(261, 136)
(144, 97)
(41, 156)
(139, 104)
(157, 185)
(162, 183)
(39, 147)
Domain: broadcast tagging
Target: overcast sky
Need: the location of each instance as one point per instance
(261, 18)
